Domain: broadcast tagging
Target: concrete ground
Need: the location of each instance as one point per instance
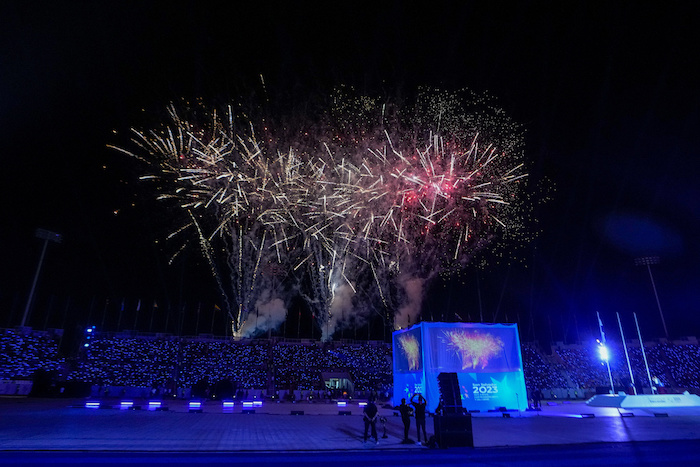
(65, 425)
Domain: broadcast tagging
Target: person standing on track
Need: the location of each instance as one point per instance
(405, 412)
(369, 415)
(419, 410)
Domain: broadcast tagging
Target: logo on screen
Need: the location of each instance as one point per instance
(484, 388)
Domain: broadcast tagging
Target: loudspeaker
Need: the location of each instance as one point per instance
(453, 430)
(449, 393)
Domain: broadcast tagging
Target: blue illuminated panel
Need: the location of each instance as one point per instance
(486, 358)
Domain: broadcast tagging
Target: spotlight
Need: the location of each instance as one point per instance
(92, 405)
(227, 406)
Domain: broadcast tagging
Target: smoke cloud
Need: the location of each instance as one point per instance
(341, 309)
(408, 313)
(269, 313)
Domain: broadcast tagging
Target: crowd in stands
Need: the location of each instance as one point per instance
(213, 361)
(120, 361)
(151, 362)
(274, 365)
(298, 366)
(23, 352)
(540, 373)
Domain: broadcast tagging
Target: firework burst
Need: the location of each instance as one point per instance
(371, 193)
(411, 349)
(475, 349)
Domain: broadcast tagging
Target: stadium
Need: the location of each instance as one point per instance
(351, 233)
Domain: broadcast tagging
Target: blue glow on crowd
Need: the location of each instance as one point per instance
(171, 363)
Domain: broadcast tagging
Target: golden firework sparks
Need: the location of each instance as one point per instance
(411, 349)
(475, 349)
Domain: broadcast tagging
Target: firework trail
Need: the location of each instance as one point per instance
(371, 195)
(422, 191)
(235, 197)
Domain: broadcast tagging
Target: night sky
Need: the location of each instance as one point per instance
(609, 95)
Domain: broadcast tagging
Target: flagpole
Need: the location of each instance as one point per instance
(48, 311)
(121, 311)
(182, 319)
(136, 315)
(196, 326)
(167, 317)
(644, 354)
(213, 315)
(607, 359)
(624, 346)
(153, 312)
(63, 321)
(92, 307)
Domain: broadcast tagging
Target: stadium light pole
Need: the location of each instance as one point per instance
(47, 236)
(648, 261)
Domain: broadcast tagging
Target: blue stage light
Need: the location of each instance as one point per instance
(227, 406)
(155, 405)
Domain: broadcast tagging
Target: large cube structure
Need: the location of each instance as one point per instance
(486, 358)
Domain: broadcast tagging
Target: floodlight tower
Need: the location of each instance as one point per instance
(47, 236)
(648, 261)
